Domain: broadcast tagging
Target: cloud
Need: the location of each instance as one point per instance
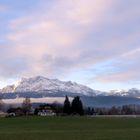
(75, 35)
(87, 12)
(125, 69)
(56, 33)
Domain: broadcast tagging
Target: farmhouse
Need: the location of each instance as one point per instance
(46, 111)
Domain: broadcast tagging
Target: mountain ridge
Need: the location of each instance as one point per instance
(40, 88)
(40, 84)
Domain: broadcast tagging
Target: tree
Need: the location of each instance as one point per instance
(114, 111)
(26, 105)
(126, 110)
(57, 107)
(36, 111)
(90, 111)
(1, 104)
(77, 106)
(67, 106)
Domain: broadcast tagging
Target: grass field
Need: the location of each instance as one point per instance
(69, 128)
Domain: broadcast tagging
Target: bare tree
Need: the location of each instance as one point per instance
(26, 105)
(1, 104)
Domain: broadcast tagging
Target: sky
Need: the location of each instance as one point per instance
(92, 42)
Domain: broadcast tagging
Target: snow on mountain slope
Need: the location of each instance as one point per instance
(118, 93)
(8, 89)
(40, 84)
(43, 84)
(125, 93)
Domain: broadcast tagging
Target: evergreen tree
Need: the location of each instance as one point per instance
(67, 106)
(77, 106)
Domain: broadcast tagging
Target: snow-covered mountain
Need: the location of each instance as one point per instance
(8, 89)
(118, 93)
(43, 90)
(42, 84)
(125, 93)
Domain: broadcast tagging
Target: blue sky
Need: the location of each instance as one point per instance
(92, 42)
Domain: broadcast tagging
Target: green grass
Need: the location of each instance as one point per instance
(69, 128)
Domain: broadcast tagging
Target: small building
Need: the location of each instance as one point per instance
(46, 111)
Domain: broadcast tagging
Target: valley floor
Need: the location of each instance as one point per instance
(69, 128)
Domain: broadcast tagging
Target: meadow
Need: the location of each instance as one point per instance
(69, 128)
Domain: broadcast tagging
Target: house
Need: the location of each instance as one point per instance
(46, 111)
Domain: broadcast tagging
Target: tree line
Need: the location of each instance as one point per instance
(131, 109)
(74, 107)
(68, 108)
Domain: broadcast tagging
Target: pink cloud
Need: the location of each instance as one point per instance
(74, 35)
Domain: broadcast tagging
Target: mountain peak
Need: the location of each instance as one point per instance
(23, 79)
(43, 84)
(9, 88)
